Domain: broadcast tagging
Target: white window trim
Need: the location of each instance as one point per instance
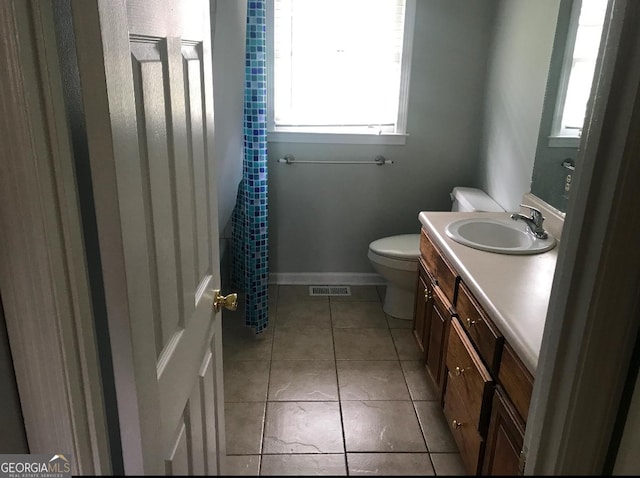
(397, 138)
(558, 139)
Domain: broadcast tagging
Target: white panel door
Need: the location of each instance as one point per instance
(146, 75)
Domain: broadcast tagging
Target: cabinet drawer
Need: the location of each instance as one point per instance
(484, 334)
(468, 375)
(463, 429)
(516, 380)
(442, 273)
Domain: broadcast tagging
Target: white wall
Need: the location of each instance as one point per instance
(518, 68)
(228, 81)
(322, 217)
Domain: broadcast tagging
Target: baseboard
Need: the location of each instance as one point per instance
(326, 278)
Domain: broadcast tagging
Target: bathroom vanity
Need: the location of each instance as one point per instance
(479, 318)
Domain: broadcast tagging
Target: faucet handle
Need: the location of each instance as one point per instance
(536, 214)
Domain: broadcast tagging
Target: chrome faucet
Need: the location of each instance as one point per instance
(534, 221)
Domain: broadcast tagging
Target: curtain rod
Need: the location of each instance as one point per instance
(379, 160)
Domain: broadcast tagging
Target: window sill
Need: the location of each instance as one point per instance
(336, 138)
(564, 142)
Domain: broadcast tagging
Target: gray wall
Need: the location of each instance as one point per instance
(228, 80)
(322, 217)
(518, 68)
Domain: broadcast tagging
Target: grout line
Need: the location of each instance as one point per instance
(335, 364)
(266, 400)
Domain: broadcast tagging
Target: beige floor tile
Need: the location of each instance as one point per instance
(434, 427)
(242, 465)
(448, 464)
(359, 293)
(371, 380)
(364, 344)
(273, 294)
(293, 365)
(395, 323)
(303, 427)
(246, 380)
(303, 380)
(389, 464)
(308, 343)
(358, 315)
(242, 343)
(304, 314)
(243, 425)
(420, 384)
(303, 465)
(406, 344)
(381, 426)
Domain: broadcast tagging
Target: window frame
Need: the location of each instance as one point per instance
(342, 135)
(557, 137)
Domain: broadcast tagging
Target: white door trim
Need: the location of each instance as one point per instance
(43, 271)
(591, 327)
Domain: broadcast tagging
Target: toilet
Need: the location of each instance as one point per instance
(395, 258)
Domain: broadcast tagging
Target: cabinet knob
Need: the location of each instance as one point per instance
(459, 371)
(456, 424)
(427, 295)
(471, 323)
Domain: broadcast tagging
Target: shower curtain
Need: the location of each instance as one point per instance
(249, 244)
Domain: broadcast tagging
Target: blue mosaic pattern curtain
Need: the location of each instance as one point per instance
(249, 246)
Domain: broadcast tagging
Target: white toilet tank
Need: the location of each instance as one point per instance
(473, 199)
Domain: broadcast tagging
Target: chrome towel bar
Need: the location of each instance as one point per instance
(379, 160)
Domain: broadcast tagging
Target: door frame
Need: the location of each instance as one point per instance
(591, 326)
(43, 267)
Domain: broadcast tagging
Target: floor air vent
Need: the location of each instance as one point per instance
(326, 290)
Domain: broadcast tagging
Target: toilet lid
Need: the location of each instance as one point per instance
(404, 246)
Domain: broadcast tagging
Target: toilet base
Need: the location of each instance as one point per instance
(398, 302)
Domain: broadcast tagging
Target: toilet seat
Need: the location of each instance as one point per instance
(404, 247)
(391, 263)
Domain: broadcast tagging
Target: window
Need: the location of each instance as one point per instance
(339, 70)
(578, 69)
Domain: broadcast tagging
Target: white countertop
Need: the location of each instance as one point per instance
(513, 289)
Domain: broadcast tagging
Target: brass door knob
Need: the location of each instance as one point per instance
(229, 302)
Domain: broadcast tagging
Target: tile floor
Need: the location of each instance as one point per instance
(333, 387)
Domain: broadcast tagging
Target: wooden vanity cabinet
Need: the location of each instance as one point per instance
(424, 299)
(434, 298)
(485, 388)
(505, 438)
(438, 330)
(467, 397)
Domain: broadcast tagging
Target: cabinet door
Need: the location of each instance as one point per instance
(423, 307)
(505, 438)
(437, 333)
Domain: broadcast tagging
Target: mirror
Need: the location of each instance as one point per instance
(573, 59)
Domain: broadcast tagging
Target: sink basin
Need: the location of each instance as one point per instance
(495, 235)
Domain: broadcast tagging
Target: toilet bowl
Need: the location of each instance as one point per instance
(395, 258)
